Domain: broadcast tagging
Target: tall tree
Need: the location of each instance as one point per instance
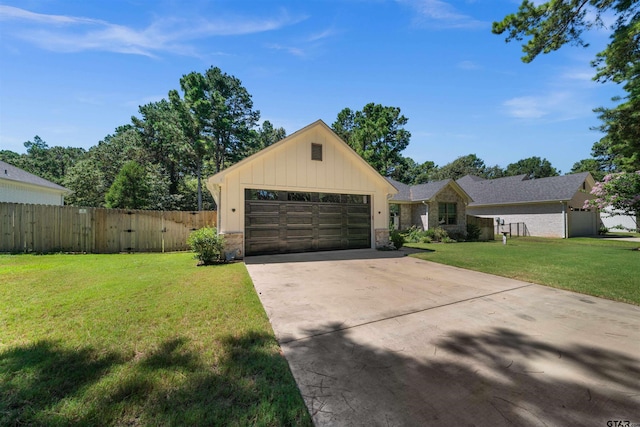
(130, 190)
(552, 24)
(216, 119)
(464, 165)
(593, 166)
(533, 167)
(265, 136)
(411, 173)
(376, 133)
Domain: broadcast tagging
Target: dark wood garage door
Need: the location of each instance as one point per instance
(285, 221)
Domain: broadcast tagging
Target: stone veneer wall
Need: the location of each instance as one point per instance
(234, 242)
(448, 195)
(382, 237)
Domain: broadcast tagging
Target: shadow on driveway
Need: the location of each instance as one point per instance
(493, 378)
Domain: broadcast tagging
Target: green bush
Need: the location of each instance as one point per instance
(207, 244)
(456, 236)
(473, 232)
(437, 234)
(396, 238)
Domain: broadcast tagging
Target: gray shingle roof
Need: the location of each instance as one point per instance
(517, 189)
(12, 173)
(417, 193)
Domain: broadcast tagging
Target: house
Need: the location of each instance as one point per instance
(307, 192)
(618, 221)
(19, 186)
(548, 207)
(434, 204)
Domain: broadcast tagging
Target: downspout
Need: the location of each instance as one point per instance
(565, 221)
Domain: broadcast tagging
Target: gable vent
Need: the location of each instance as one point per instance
(316, 152)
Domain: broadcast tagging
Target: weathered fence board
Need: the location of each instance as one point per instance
(485, 225)
(45, 228)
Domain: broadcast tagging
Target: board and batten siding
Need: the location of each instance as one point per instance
(17, 192)
(287, 166)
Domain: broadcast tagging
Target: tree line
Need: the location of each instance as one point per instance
(158, 161)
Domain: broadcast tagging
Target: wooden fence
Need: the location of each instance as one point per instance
(485, 225)
(45, 228)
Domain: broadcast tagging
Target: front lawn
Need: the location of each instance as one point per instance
(599, 267)
(144, 339)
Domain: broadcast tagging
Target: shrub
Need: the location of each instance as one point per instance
(436, 234)
(413, 234)
(207, 244)
(396, 238)
(603, 230)
(457, 236)
(473, 232)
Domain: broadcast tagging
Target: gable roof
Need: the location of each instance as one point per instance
(13, 173)
(424, 192)
(518, 189)
(219, 177)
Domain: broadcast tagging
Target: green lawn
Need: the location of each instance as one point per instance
(144, 339)
(600, 267)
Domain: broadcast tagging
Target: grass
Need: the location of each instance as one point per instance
(599, 267)
(144, 339)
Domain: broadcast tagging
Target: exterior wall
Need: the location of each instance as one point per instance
(16, 192)
(612, 218)
(448, 195)
(289, 167)
(406, 216)
(234, 242)
(544, 220)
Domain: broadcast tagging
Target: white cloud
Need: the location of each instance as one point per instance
(468, 65)
(554, 106)
(61, 33)
(441, 14)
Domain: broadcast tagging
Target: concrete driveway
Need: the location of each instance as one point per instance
(379, 338)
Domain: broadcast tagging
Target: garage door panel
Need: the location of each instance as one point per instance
(283, 224)
(264, 220)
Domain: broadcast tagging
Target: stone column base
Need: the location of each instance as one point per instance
(382, 237)
(233, 243)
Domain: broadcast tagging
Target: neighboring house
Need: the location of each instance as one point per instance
(19, 186)
(426, 206)
(616, 220)
(307, 192)
(549, 207)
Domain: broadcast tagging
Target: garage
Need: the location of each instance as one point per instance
(293, 221)
(307, 192)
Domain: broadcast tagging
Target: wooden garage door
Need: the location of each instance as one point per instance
(286, 221)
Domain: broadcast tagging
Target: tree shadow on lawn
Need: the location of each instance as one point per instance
(250, 384)
(497, 377)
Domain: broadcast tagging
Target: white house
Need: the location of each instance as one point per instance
(307, 192)
(19, 186)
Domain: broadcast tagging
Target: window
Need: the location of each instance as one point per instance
(261, 195)
(299, 197)
(316, 152)
(447, 214)
(329, 198)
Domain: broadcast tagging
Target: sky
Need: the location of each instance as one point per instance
(72, 72)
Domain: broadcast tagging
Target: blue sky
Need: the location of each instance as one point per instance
(73, 71)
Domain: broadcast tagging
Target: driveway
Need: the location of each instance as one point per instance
(379, 338)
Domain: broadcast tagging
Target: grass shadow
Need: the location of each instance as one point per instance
(173, 385)
(36, 377)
